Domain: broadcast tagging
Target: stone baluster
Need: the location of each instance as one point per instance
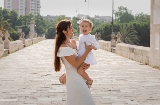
(6, 41)
(119, 37)
(21, 37)
(1, 36)
(113, 41)
(32, 29)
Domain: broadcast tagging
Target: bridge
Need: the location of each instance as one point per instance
(27, 77)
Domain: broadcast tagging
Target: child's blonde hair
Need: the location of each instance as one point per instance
(87, 20)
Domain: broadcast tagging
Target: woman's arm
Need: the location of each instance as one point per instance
(77, 61)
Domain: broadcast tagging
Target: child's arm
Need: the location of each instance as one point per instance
(95, 43)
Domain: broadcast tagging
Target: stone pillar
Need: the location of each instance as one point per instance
(113, 41)
(1, 36)
(155, 34)
(6, 41)
(98, 36)
(21, 37)
(1, 45)
(118, 38)
(32, 31)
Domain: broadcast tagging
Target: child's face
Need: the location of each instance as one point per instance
(85, 28)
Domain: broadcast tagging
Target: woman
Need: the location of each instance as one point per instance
(77, 91)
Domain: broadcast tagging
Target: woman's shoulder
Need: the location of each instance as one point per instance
(65, 51)
(63, 45)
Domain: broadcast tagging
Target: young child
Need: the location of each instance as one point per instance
(85, 28)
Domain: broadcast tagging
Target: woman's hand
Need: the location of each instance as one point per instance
(88, 47)
(85, 66)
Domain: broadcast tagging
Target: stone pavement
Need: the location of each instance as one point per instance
(27, 77)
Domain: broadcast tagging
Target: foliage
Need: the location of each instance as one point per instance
(105, 30)
(14, 35)
(143, 31)
(123, 15)
(9, 20)
(75, 25)
(129, 35)
(51, 33)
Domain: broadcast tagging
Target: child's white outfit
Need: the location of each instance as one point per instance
(89, 39)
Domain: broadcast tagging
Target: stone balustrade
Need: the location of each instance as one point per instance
(133, 52)
(1, 50)
(13, 46)
(27, 42)
(35, 40)
(105, 45)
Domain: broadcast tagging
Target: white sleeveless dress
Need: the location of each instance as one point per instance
(78, 92)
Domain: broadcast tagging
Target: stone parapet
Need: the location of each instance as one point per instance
(41, 38)
(136, 53)
(28, 42)
(35, 40)
(105, 45)
(1, 50)
(15, 46)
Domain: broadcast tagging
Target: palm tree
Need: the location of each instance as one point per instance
(4, 25)
(129, 35)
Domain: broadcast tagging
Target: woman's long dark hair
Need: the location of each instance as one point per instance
(59, 39)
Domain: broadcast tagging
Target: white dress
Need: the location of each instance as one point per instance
(78, 92)
(89, 39)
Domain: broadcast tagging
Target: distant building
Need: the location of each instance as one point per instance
(104, 18)
(23, 7)
(50, 17)
(107, 19)
(82, 16)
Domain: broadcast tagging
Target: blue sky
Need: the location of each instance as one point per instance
(91, 7)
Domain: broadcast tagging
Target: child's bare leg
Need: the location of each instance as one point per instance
(82, 72)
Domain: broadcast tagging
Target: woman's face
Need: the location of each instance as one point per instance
(85, 28)
(70, 31)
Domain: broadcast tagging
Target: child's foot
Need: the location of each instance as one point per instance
(89, 83)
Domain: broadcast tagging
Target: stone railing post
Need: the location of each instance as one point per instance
(21, 37)
(98, 36)
(1, 45)
(113, 41)
(6, 41)
(32, 29)
(118, 38)
(1, 36)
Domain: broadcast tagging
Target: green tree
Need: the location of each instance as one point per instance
(75, 25)
(129, 35)
(123, 15)
(51, 33)
(5, 25)
(13, 19)
(141, 17)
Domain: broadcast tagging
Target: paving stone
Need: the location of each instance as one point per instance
(27, 77)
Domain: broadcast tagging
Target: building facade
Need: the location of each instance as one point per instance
(23, 7)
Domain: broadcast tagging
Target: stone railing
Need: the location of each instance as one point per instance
(105, 45)
(133, 52)
(1, 50)
(15, 46)
(8, 47)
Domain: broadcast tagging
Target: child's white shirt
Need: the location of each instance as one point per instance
(89, 39)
